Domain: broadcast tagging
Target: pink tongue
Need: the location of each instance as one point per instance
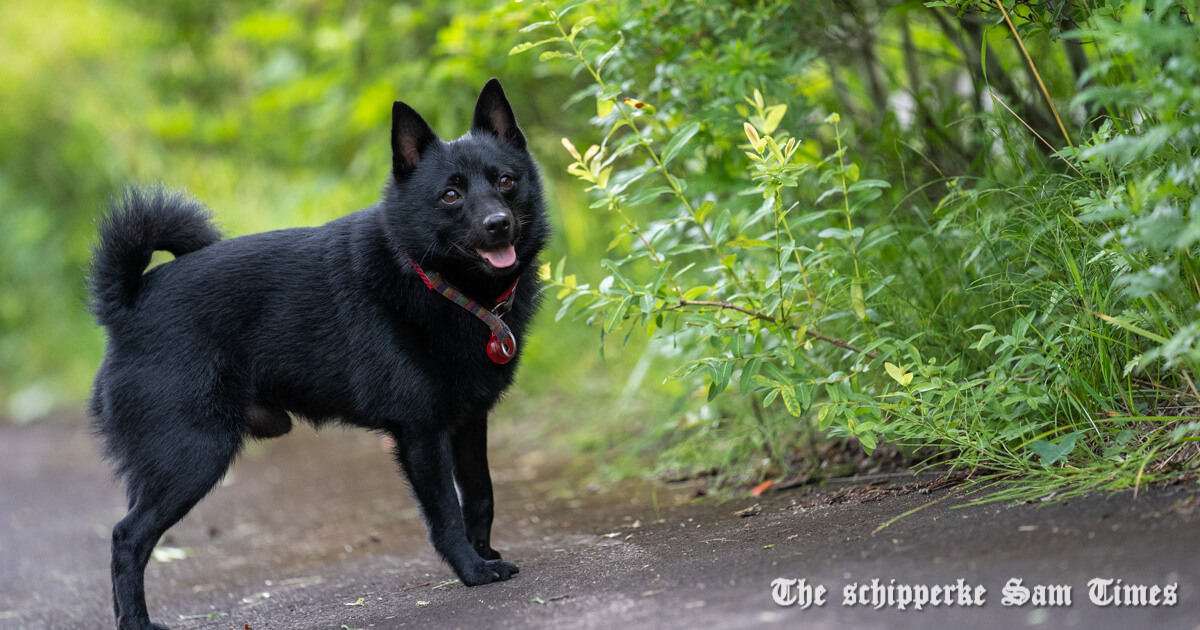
(500, 258)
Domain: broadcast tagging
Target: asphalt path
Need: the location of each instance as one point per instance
(319, 531)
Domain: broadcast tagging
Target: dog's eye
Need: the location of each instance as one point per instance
(505, 182)
(450, 196)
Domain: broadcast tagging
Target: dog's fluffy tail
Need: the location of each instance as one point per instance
(139, 223)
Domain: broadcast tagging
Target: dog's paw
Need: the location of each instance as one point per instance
(489, 571)
(504, 569)
(143, 625)
(487, 553)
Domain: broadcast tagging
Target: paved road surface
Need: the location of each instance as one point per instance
(318, 531)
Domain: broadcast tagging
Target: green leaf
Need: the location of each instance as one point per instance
(648, 302)
(868, 183)
(602, 177)
(569, 6)
(898, 373)
(535, 26)
(648, 195)
(748, 243)
(857, 304)
(1050, 452)
(788, 393)
(840, 234)
(604, 107)
(611, 51)
(680, 139)
(582, 24)
(749, 372)
(774, 114)
(523, 46)
(617, 314)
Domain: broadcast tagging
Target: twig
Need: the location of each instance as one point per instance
(763, 316)
(1036, 74)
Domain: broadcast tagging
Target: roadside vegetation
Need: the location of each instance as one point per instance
(960, 227)
(954, 232)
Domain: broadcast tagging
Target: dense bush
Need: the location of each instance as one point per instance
(887, 258)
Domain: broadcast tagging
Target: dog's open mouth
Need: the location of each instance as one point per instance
(500, 257)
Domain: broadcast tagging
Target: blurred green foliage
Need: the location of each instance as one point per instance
(274, 114)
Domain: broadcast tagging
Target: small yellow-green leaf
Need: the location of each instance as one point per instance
(774, 115)
(604, 107)
(602, 179)
(788, 393)
(520, 48)
(748, 243)
(752, 135)
(894, 371)
(852, 173)
(568, 285)
(581, 24)
(544, 271)
(857, 304)
(774, 148)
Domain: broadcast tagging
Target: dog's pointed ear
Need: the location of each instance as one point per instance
(494, 115)
(411, 136)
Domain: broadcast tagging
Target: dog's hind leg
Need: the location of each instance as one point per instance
(174, 469)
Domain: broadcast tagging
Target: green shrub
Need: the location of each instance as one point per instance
(1033, 314)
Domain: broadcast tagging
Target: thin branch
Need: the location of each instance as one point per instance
(1037, 75)
(767, 318)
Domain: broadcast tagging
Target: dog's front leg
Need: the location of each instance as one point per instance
(475, 484)
(426, 457)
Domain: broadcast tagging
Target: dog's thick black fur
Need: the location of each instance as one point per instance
(233, 338)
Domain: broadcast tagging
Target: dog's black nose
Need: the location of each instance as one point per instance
(498, 224)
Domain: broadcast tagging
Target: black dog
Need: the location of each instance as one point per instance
(347, 322)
